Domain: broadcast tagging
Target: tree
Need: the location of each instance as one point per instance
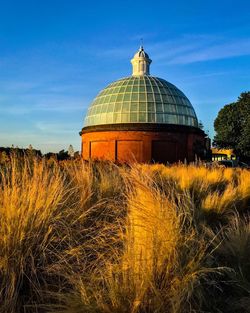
(232, 126)
(62, 155)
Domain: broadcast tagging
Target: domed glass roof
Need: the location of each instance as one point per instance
(141, 99)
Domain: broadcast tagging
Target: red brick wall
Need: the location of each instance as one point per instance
(129, 150)
(102, 149)
(128, 146)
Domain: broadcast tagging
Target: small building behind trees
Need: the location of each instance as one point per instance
(232, 127)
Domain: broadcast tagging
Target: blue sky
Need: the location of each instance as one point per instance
(55, 56)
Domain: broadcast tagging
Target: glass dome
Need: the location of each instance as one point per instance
(141, 99)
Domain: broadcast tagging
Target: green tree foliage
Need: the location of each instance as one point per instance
(232, 126)
(62, 155)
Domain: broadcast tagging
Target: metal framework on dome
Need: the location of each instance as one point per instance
(141, 98)
(142, 118)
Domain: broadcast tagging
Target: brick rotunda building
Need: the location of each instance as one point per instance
(142, 118)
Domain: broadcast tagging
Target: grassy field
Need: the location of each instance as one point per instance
(94, 237)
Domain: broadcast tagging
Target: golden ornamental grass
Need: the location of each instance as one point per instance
(80, 237)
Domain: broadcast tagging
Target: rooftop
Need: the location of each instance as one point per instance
(141, 98)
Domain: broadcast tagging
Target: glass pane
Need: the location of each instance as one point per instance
(164, 98)
(186, 110)
(166, 92)
(142, 117)
(155, 89)
(101, 100)
(134, 96)
(125, 106)
(191, 111)
(109, 118)
(128, 89)
(119, 97)
(182, 118)
(106, 99)
(159, 107)
(117, 118)
(151, 107)
(182, 100)
(150, 97)
(157, 97)
(127, 96)
(166, 108)
(118, 107)
(151, 117)
(142, 97)
(133, 117)
(174, 92)
(103, 118)
(104, 108)
(159, 118)
(162, 90)
(125, 118)
(112, 98)
(142, 106)
(97, 119)
(172, 119)
(150, 89)
(110, 107)
(153, 82)
(134, 106)
(172, 108)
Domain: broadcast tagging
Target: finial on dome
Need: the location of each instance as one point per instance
(141, 46)
(140, 63)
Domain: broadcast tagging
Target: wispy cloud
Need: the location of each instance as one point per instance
(60, 107)
(68, 104)
(56, 128)
(188, 49)
(229, 49)
(37, 102)
(17, 86)
(181, 46)
(161, 49)
(208, 75)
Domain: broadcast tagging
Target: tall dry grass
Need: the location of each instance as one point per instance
(94, 237)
